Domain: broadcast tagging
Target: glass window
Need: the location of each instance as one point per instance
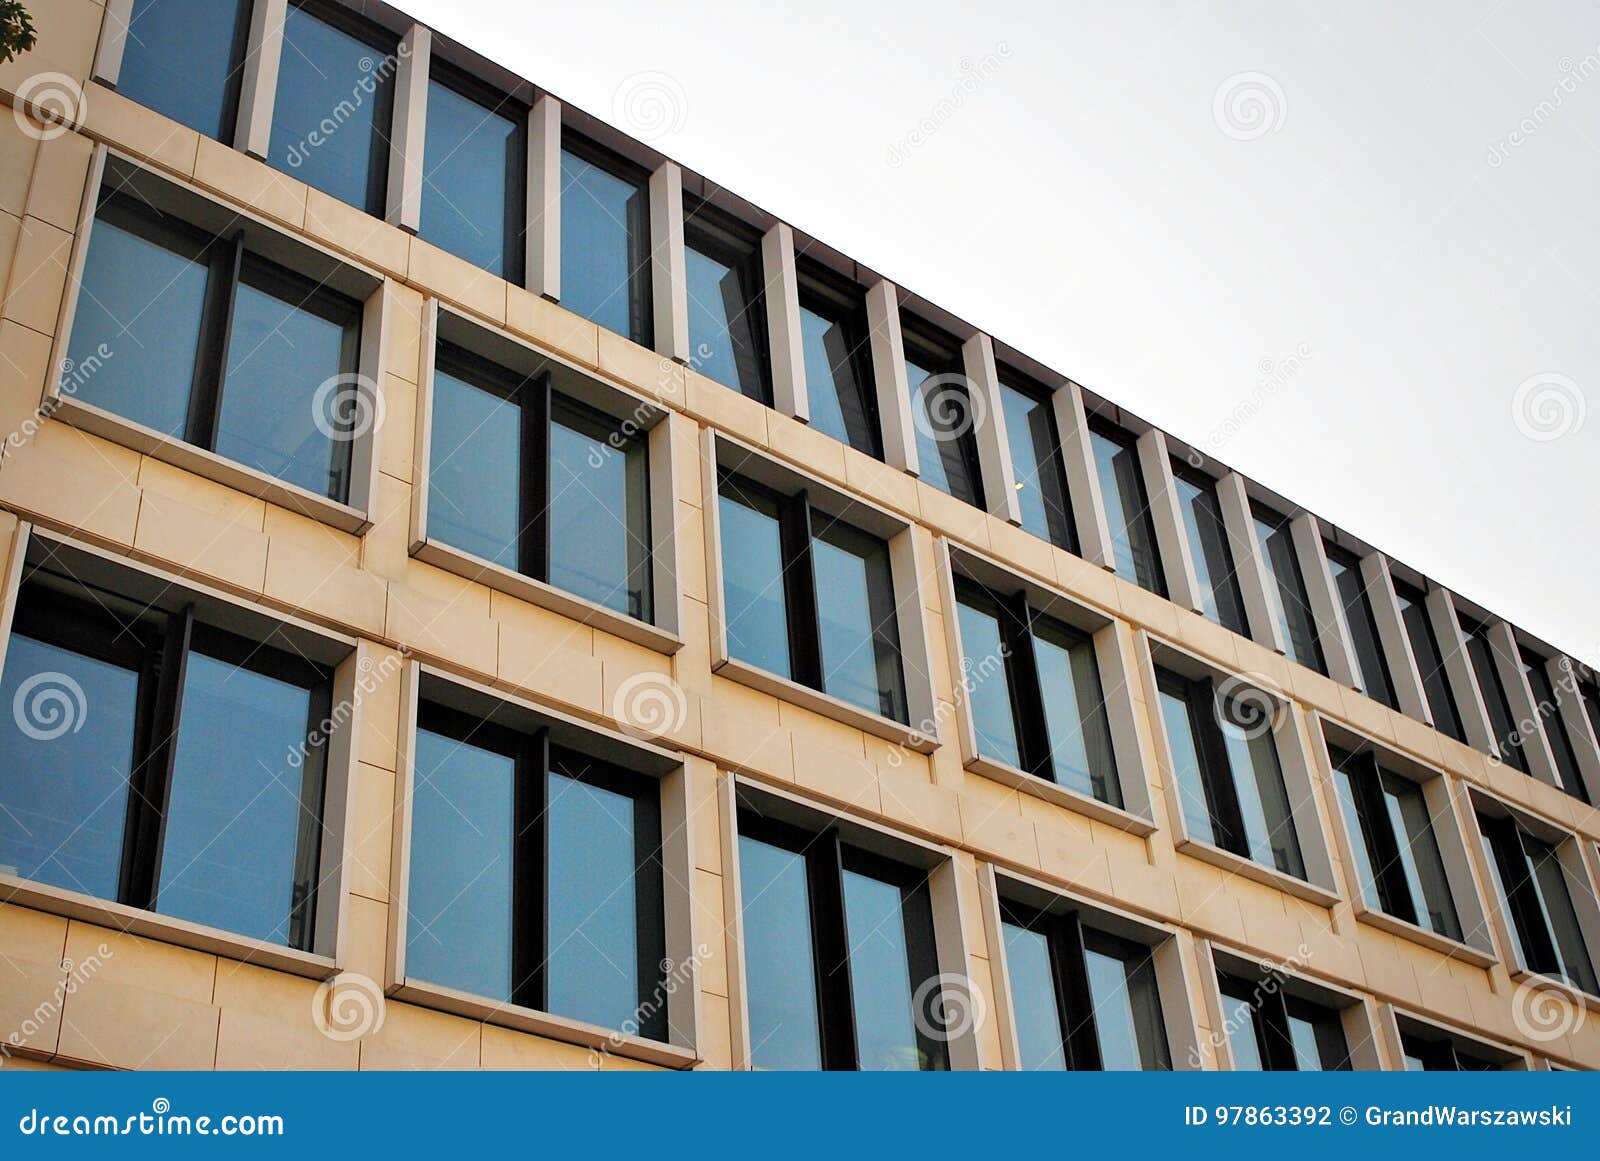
(1402, 872)
(1434, 1053)
(1133, 532)
(1286, 590)
(1536, 891)
(1126, 1004)
(1209, 548)
(504, 444)
(332, 112)
(1430, 661)
(1270, 1030)
(942, 418)
(536, 874)
(605, 244)
(104, 691)
(1351, 590)
(1507, 730)
(1229, 777)
(1034, 687)
(838, 362)
(841, 965)
(160, 301)
(1036, 461)
(727, 333)
(1034, 999)
(474, 177)
(183, 59)
(1548, 704)
(810, 598)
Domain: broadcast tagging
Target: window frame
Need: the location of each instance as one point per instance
(642, 285)
(1399, 1026)
(192, 209)
(637, 419)
(1144, 520)
(1357, 1015)
(1055, 460)
(830, 296)
(1366, 614)
(957, 563)
(920, 732)
(1263, 516)
(425, 683)
(923, 343)
(1205, 483)
(724, 239)
(352, 676)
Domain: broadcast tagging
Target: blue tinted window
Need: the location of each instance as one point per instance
(67, 734)
(458, 916)
(1430, 663)
(599, 513)
(280, 355)
(942, 419)
(880, 975)
(1074, 711)
(1186, 766)
(1359, 842)
(474, 172)
(605, 248)
(984, 674)
(837, 392)
(182, 58)
(1240, 1023)
(1507, 730)
(855, 607)
(136, 332)
(753, 585)
(1127, 1004)
(1133, 537)
(474, 470)
(1263, 800)
(233, 819)
(1033, 994)
(1041, 483)
(330, 118)
(1220, 597)
(1286, 589)
(724, 323)
(1351, 589)
(779, 958)
(593, 922)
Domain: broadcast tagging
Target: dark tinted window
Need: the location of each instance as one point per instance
(856, 619)
(1209, 548)
(599, 511)
(1036, 460)
(889, 930)
(1351, 590)
(727, 333)
(1507, 729)
(1430, 662)
(1127, 1005)
(1286, 589)
(475, 464)
(474, 179)
(779, 958)
(605, 246)
(1536, 891)
(838, 362)
(183, 58)
(331, 115)
(1133, 533)
(1270, 1030)
(1548, 704)
(1074, 710)
(754, 589)
(942, 418)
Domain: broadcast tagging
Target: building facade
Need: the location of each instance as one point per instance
(476, 594)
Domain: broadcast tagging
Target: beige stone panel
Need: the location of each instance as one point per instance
(834, 773)
(230, 549)
(251, 183)
(722, 407)
(27, 1064)
(10, 232)
(340, 226)
(283, 526)
(33, 979)
(24, 365)
(711, 931)
(1023, 550)
(266, 1023)
(386, 546)
(888, 486)
(445, 629)
(17, 152)
(161, 480)
(1206, 902)
(553, 327)
(396, 445)
(38, 275)
(380, 713)
(366, 937)
(436, 271)
(970, 897)
(716, 1032)
(555, 661)
(1147, 610)
(686, 452)
(982, 974)
(1268, 928)
(1088, 582)
(61, 170)
(420, 1038)
(133, 129)
(1330, 950)
(403, 352)
(1316, 691)
(992, 823)
(324, 584)
(742, 729)
(691, 537)
(371, 831)
(908, 796)
(795, 441)
(642, 369)
(1065, 855)
(75, 480)
(705, 811)
(1208, 639)
(691, 665)
(67, 31)
(1370, 717)
(953, 517)
(1254, 658)
(1387, 969)
(1137, 884)
(505, 1049)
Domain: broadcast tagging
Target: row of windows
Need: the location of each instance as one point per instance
(198, 778)
(231, 323)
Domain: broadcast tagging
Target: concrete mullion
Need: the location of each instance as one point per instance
(409, 129)
(543, 235)
(889, 377)
(1083, 481)
(989, 428)
(1333, 631)
(1155, 463)
(1248, 565)
(669, 279)
(259, 82)
(1392, 636)
(786, 343)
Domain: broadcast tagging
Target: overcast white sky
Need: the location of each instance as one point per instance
(1089, 202)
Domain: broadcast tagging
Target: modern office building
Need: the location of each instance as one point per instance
(476, 594)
